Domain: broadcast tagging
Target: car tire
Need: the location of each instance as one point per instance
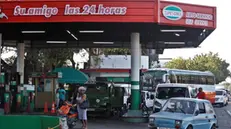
(213, 127)
(189, 127)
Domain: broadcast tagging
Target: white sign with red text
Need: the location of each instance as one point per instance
(69, 10)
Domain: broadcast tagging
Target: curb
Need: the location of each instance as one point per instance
(228, 112)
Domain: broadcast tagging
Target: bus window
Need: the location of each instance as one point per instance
(194, 79)
(186, 79)
(179, 79)
(173, 79)
(202, 80)
(210, 80)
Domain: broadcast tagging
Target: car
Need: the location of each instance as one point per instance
(184, 113)
(221, 98)
(166, 91)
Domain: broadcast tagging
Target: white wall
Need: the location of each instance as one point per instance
(117, 62)
(94, 74)
(114, 74)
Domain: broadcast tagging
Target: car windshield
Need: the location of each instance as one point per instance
(169, 92)
(219, 92)
(179, 106)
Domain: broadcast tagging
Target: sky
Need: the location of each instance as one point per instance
(218, 41)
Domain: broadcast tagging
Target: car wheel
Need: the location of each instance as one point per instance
(189, 127)
(213, 127)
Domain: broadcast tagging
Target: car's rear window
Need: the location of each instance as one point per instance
(169, 92)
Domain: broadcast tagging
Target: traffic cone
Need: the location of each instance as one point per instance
(45, 108)
(53, 108)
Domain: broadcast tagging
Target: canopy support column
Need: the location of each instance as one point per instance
(135, 114)
(20, 61)
(135, 71)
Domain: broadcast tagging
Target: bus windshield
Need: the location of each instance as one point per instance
(156, 73)
(153, 76)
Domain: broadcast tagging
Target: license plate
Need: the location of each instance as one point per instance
(90, 109)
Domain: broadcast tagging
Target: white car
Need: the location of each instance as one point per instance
(167, 91)
(221, 98)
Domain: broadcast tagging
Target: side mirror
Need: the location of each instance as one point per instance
(197, 112)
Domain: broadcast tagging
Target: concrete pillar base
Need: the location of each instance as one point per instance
(135, 116)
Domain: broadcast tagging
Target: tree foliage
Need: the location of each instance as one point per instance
(57, 57)
(203, 62)
(37, 58)
(116, 51)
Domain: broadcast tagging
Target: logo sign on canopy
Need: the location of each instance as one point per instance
(187, 15)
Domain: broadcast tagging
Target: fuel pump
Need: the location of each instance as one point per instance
(2, 90)
(7, 99)
(31, 99)
(15, 92)
(18, 99)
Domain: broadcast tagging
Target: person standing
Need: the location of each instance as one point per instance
(57, 98)
(129, 101)
(201, 94)
(82, 113)
(62, 96)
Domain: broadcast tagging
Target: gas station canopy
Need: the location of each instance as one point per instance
(104, 23)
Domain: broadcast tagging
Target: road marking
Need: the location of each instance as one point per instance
(228, 112)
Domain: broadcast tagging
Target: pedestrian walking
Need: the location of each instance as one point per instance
(82, 106)
(57, 98)
(201, 94)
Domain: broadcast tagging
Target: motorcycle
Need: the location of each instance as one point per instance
(69, 114)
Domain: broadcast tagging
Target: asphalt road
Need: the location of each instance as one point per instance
(224, 118)
(224, 121)
(113, 124)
